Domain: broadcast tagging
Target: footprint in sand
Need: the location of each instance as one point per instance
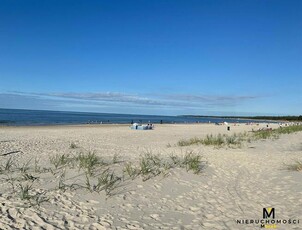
(133, 227)
(155, 217)
(97, 226)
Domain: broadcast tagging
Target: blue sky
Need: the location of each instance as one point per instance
(168, 57)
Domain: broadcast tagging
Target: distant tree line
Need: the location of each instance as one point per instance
(285, 118)
(274, 118)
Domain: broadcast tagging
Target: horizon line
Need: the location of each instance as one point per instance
(184, 115)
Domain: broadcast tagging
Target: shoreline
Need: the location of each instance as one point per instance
(56, 118)
(156, 124)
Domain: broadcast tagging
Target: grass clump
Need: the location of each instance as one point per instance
(215, 140)
(289, 129)
(88, 162)
(193, 162)
(107, 181)
(8, 165)
(275, 133)
(25, 192)
(116, 158)
(25, 167)
(30, 177)
(233, 140)
(236, 140)
(88, 171)
(131, 170)
(73, 145)
(218, 140)
(149, 164)
(297, 166)
(191, 141)
(152, 165)
(176, 160)
(265, 134)
(60, 160)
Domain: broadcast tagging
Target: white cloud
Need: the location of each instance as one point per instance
(116, 100)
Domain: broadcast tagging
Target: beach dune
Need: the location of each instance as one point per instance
(235, 183)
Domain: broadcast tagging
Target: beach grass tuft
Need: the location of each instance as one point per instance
(193, 162)
(289, 129)
(236, 139)
(8, 164)
(265, 134)
(296, 166)
(88, 162)
(218, 140)
(131, 170)
(107, 181)
(149, 163)
(116, 158)
(25, 192)
(275, 133)
(25, 167)
(60, 160)
(89, 171)
(73, 145)
(30, 177)
(176, 160)
(191, 141)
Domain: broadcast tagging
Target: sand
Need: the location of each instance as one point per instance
(235, 183)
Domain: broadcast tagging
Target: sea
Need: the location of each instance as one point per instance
(22, 117)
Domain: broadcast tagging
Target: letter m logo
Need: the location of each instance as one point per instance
(268, 212)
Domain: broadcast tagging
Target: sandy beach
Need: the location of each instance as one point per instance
(235, 183)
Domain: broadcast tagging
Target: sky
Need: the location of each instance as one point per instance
(164, 57)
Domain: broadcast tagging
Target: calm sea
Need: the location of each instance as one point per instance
(18, 117)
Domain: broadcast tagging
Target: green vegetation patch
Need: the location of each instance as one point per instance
(33, 183)
(219, 140)
(236, 139)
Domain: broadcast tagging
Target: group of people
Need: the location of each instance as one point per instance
(150, 126)
(142, 127)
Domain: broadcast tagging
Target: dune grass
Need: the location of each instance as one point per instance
(289, 129)
(59, 160)
(151, 165)
(131, 171)
(237, 139)
(296, 166)
(264, 134)
(192, 162)
(107, 181)
(88, 171)
(88, 162)
(8, 165)
(73, 145)
(32, 198)
(275, 133)
(219, 140)
(25, 192)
